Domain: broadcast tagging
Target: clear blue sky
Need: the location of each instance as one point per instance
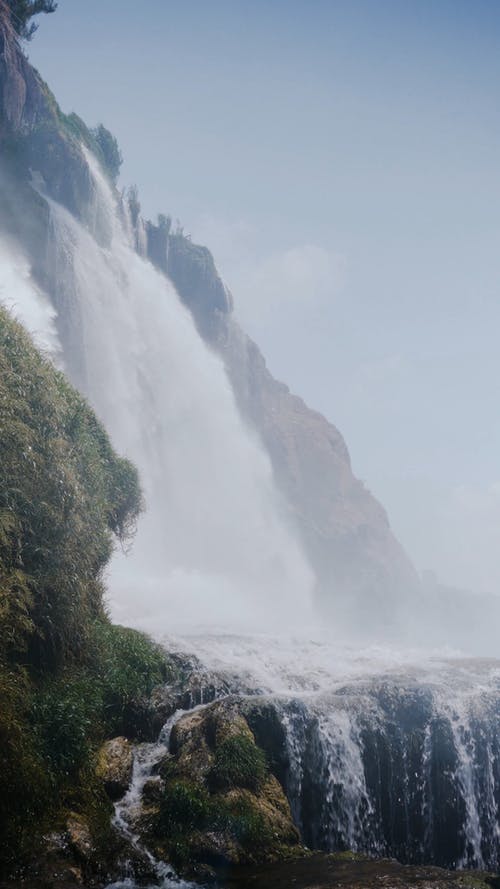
(341, 159)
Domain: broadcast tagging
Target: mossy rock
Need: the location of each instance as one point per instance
(114, 766)
(220, 805)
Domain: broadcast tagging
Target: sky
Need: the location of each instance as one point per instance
(341, 161)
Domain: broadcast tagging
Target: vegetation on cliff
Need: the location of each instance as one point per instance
(22, 11)
(68, 678)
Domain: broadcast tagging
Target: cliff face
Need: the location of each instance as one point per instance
(344, 530)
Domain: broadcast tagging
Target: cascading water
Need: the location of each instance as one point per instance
(19, 293)
(387, 753)
(212, 542)
(146, 757)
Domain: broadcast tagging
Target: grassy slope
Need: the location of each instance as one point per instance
(68, 678)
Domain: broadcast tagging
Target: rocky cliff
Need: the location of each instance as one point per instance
(344, 530)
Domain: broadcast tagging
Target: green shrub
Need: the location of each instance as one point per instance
(24, 787)
(66, 675)
(66, 719)
(127, 665)
(185, 806)
(64, 495)
(109, 151)
(238, 763)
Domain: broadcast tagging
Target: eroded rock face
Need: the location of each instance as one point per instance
(114, 766)
(344, 529)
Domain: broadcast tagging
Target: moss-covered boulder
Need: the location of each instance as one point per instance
(218, 803)
(114, 766)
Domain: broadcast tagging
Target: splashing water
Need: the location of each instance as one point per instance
(26, 302)
(146, 757)
(389, 753)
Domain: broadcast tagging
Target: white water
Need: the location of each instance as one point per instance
(26, 302)
(213, 546)
(334, 701)
(146, 757)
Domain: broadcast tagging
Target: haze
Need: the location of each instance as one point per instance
(340, 159)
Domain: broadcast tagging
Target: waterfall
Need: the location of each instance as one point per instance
(388, 753)
(213, 546)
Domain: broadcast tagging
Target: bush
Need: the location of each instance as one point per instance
(64, 494)
(73, 712)
(238, 763)
(66, 716)
(127, 665)
(109, 151)
(24, 10)
(185, 806)
(66, 675)
(24, 787)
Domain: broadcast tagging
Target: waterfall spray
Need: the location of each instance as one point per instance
(213, 546)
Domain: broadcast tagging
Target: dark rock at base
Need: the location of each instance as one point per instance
(352, 872)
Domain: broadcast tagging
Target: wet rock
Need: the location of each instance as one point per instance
(114, 766)
(79, 837)
(220, 805)
(348, 871)
(153, 790)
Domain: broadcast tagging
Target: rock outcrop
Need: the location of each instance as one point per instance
(344, 529)
(114, 766)
(216, 801)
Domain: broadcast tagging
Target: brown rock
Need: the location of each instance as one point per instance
(79, 836)
(114, 766)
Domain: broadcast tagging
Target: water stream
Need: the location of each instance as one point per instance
(146, 757)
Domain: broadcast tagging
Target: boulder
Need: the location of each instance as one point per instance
(114, 766)
(79, 837)
(220, 804)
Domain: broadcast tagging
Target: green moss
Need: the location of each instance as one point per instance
(238, 763)
(247, 825)
(185, 806)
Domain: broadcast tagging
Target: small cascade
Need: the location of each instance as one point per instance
(146, 757)
(399, 768)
